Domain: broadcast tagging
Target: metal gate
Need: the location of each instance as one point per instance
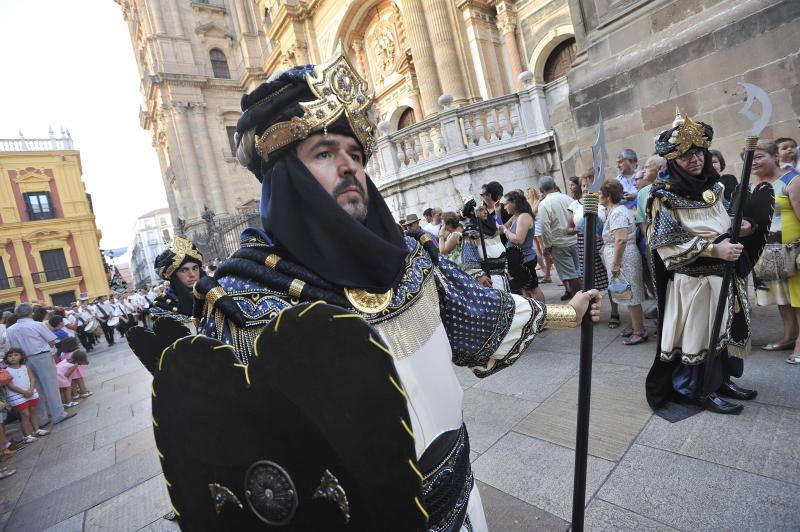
(220, 236)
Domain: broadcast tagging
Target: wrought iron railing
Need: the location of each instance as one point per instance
(220, 236)
(56, 274)
(15, 281)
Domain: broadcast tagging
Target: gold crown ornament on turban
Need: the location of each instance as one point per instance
(169, 261)
(340, 90)
(684, 135)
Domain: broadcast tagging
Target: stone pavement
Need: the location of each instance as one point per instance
(99, 470)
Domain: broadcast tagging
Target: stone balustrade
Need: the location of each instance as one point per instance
(456, 140)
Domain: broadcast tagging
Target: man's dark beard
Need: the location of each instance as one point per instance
(357, 212)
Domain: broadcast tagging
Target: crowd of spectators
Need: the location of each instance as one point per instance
(44, 354)
(542, 227)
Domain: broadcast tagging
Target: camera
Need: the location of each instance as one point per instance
(468, 210)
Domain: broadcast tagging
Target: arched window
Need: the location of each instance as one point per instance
(560, 60)
(407, 119)
(219, 64)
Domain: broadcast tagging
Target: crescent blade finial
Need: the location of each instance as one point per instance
(599, 159)
(756, 93)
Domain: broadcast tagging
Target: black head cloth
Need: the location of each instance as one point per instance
(296, 211)
(687, 135)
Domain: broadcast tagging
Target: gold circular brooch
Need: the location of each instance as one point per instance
(367, 302)
(709, 197)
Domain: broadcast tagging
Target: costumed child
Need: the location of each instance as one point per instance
(22, 394)
(79, 391)
(66, 374)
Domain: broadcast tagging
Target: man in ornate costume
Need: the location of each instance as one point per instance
(326, 397)
(688, 235)
(182, 265)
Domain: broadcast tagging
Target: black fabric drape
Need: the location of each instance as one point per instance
(311, 226)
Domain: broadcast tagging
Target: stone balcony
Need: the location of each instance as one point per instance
(445, 158)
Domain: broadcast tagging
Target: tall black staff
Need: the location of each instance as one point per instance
(759, 122)
(590, 200)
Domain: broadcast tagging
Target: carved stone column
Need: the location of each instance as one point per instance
(241, 18)
(154, 7)
(507, 24)
(445, 49)
(191, 169)
(210, 156)
(423, 57)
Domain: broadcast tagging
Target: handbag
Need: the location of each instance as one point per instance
(620, 288)
(778, 262)
(5, 377)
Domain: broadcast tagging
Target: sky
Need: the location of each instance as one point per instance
(71, 64)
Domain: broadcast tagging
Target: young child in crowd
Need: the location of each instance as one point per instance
(56, 323)
(79, 391)
(22, 394)
(66, 374)
(787, 153)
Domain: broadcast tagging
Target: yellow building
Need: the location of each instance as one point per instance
(49, 243)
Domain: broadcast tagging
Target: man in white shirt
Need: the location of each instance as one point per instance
(559, 245)
(627, 163)
(103, 311)
(433, 221)
(37, 340)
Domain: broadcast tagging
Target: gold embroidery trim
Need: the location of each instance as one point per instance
(296, 288)
(271, 261)
(561, 317)
(214, 294)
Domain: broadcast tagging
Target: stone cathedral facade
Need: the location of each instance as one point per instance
(467, 91)
(196, 59)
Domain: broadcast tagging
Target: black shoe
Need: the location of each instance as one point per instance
(717, 404)
(730, 389)
(652, 314)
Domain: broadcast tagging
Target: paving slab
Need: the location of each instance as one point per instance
(640, 356)
(762, 439)
(776, 381)
(535, 376)
(84, 494)
(63, 436)
(73, 524)
(135, 443)
(466, 377)
(509, 514)
(490, 415)
(131, 510)
(692, 494)
(162, 525)
(67, 451)
(12, 488)
(619, 410)
(134, 376)
(602, 516)
(569, 341)
(54, 476)
(537, 472)
(110, 434)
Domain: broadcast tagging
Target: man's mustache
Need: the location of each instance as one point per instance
(349, 181)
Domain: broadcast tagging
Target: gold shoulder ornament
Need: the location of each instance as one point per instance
(368, 302)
